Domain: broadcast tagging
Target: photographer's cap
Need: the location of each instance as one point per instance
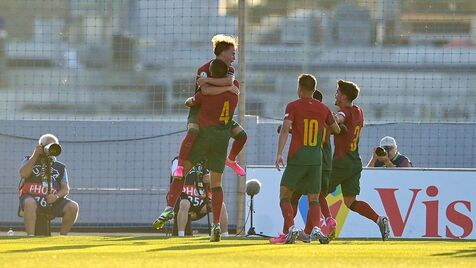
(388, 141)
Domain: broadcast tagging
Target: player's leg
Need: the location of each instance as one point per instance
(187, 144)
(68, 210)
(182, 216)
(350, 189)
(330, 221)
(29, 206)
(217, 204)
(175, 189)
(239, 140)
(289, 182)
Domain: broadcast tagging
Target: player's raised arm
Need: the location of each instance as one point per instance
(218, 82)
(217, 90)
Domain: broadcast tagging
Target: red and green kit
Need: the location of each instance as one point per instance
(304, 163)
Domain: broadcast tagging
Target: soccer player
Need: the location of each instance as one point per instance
(224, 47)
(307, 118)
(215, 119)
(326, 173)
(347, 164)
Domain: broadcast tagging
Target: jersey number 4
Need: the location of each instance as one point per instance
(311, 129)
(225, 112)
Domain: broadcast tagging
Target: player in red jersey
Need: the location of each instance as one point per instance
(307, 117)
(225, 50)
(347, 164)
(215, 119)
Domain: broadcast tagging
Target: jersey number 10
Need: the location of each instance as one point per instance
(311, 129)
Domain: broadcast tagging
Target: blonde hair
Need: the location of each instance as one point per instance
(42, 140)
(223, 42)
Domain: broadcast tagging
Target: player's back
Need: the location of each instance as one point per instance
(347, 145)
(216, 110)
(308, 117)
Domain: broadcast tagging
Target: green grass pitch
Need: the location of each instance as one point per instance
(159, 251)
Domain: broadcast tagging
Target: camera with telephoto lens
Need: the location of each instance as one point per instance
(52, 149)
(380, 151)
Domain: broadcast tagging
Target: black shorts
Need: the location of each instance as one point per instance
(57, 206)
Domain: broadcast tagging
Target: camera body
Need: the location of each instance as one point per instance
(52, 149)
(380, 151)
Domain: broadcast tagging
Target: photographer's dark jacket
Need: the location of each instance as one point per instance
(399, 160)
(35, 185)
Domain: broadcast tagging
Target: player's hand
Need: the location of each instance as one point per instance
(279, 162)
(202, 81)
(343, 129)
(234, 90)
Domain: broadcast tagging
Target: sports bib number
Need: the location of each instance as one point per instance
(41, 201)
(225, 112)
(311, 129)
(353, 145)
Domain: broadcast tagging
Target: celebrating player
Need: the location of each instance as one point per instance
(307, 117)
(347, 164)
(215, 119)
(225, 49)
(326, 172)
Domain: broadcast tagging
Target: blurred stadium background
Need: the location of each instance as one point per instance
(109, 79)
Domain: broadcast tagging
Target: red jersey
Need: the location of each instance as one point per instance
(218, 109)
(348, 143)
(309, 117)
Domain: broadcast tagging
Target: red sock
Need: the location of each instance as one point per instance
(315, 213)
(217, 203)
(364, 209)
(324, 207)
(288, 213)
(186, 146)
(237, 145)
(176, 188)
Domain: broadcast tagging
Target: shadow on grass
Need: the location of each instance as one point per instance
(53, 248)
(461, 253)
(202, 246)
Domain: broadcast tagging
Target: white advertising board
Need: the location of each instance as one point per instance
(420, 203)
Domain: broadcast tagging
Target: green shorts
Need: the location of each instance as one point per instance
(348, 178)
(193, 115)
(211, 147)
(302, 179)
(326, 177)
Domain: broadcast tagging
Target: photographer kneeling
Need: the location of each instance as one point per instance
(34, 186)
(387, 155)
(194, 203)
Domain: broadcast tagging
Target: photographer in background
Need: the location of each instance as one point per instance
(34, 186)
(192, 204)
(387, 155)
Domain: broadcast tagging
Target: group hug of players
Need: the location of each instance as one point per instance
(310, 167)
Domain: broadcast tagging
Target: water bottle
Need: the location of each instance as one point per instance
(10, 232)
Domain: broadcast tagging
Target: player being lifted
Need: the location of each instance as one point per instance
(215, 119)
(307, 117)
(347, 164)
(224, 47)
